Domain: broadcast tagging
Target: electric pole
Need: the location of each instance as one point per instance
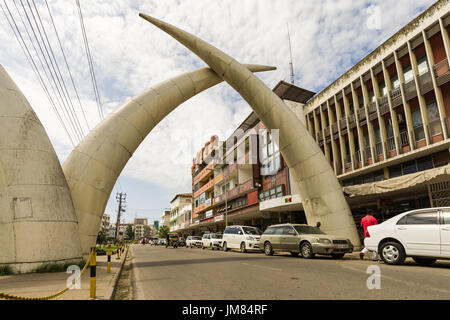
(121, 198)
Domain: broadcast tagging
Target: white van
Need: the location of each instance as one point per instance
(241, 237)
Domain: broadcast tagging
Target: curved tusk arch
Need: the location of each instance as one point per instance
(93, 167)
(319, 189)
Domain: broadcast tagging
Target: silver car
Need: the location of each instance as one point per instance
(303, 239)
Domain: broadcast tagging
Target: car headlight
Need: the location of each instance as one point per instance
(250, 238)
(324, 241)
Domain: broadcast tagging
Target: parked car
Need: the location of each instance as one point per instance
(162, 242)
(193, 241)
(303, 239)
(422, 234)
(212, 241)
(241, 237)
(182, 242)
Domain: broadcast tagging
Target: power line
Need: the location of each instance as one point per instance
(89, 58)
(59, 82)
(31, 61)
(67, 65)
(50, 67)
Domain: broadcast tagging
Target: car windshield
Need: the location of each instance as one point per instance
(308, 230)
(196, 238)
(252, 231)
(216, 236)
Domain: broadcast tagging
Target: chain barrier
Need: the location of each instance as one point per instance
(14, 297)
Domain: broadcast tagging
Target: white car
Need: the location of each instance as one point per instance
(212, 241)
(193, 241)
(241, 237)
(422, 234)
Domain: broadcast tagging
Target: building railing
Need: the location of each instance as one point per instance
(358, 156)
(343, 123)
(441, 68)
(334, 128)
(404, 138)
(372, 107)
(410, 89)
(390, 144)
(368, 152)
(425, 83)
(383, 101)
(362, 114)
(319, 136)
(351, 118)
(327, 131)
(379, 148)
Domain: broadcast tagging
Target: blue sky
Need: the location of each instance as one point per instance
(130, 55)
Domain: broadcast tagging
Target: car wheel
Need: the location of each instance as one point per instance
(203, 247)
(225, 247)
(243, 250)
(268, 250)
(306, 250)
(294, 253)
(392, 253)
(338, 255)
(424, 261)
(210, 246)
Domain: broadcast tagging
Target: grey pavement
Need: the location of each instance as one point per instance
(45, 284)
(184, 273)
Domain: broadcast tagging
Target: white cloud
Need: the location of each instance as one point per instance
(130, 55)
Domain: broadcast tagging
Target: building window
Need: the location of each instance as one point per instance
(270, 155)
(419, 133)
(273, 193)
(395, 82)
(434, 122)
(422, 65)
(408, 74)
(382, 88)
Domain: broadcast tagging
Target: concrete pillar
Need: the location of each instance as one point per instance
(381, 123)
(358, 127)
(393, 113)
(351, 141)
(406, 107)
(369, 123)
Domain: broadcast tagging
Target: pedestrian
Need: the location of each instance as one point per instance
(368, 220)
(318, 224)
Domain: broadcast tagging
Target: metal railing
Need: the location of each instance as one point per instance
(379, 148)
(441, 68)
(343, 123)
(391, 143)
(372, 107)
(404, 138)
(362, 114)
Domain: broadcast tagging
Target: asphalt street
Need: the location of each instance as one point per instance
(184, 273)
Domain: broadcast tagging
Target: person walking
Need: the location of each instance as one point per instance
(368, 220)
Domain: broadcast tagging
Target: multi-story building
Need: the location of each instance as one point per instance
(104, 226)
(245, 179)
(383, 125)
(139, 227)
(180, 211)
(166, 219)
(156, 225)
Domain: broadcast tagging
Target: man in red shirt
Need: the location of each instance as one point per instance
(368, 220)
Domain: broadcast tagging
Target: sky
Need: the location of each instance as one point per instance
(130, 55)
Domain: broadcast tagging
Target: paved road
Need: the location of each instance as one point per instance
(184, 273)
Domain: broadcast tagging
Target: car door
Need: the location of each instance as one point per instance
(289, 239)
(275, 238)
(419, 232)
(239, 237)
(445, 233)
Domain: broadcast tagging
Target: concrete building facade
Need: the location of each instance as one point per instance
(180, 211)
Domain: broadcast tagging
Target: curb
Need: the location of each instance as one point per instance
(109, 295)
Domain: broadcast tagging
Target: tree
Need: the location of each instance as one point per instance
(101, 237)
(163, 231)
(148, 232)
(130, 232)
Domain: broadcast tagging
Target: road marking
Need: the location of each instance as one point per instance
(264, 267)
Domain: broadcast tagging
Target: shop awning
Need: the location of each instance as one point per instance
(399, 183)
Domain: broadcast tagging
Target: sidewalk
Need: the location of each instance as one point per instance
(45, 284)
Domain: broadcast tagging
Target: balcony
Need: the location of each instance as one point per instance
(327, 131)
(372, 107)
(441, 72)
(343, 123)
(396, 97)
(362, 114)
(383, 102)
(351, 121)
(379, 148)
(410, 89)
(390, 144)
(205, 187)
(334, 128)
(425, 83)
(404, 139)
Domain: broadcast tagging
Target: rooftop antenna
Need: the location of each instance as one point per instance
(291, 66)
